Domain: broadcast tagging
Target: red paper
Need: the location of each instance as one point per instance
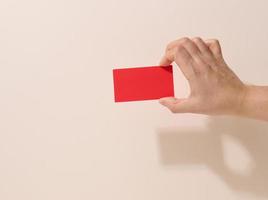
(143, 83)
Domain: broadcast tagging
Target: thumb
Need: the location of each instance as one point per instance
(176, 105)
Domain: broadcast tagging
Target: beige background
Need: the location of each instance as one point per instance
(63, 137)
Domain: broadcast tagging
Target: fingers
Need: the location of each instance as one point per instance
(170, 52)
(176, 105)
(198, 64)
(206, 53)
(169, 56)
(215, 48)
(196, 59)
(175, 51)
(184, 61)
(166, 60)
(187, 55)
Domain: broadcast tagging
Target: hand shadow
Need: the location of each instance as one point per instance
(191, 146)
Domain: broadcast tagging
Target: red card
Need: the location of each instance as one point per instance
(143, 83)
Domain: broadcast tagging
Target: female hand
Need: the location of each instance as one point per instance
(215, 89)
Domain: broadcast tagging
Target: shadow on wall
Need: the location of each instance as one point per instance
(206, 147)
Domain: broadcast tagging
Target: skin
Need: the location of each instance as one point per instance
(215, 88)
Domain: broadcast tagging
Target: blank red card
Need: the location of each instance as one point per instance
(143, 83)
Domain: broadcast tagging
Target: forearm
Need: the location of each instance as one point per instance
(255, 104)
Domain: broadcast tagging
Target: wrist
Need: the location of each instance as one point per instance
(245, 100)
(243, 96)
(254, 102)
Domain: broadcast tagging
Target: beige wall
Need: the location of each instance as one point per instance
(63, 137)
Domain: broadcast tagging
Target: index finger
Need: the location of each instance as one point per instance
(176, 52)
(168, 58)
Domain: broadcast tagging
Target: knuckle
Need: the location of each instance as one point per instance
(217, 47)
(200, 62)
(169, 46)
(197, 39)
(178, 43)
(179, 49)
(215, 42)
(185, 40)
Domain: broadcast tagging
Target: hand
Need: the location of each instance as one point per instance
(215, 89)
